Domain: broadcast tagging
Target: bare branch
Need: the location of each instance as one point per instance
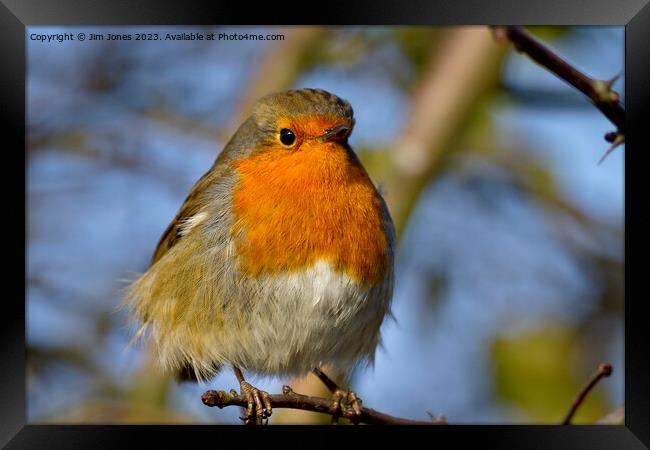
(604, 370)
(292, 400)
(598, 91)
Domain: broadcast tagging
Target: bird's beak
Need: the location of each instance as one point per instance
(336, 133)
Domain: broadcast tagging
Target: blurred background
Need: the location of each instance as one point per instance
(509, 271)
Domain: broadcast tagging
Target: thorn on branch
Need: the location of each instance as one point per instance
(604, 370)
(616, 139)
(613, 80)
(603, 90)
(599, 92)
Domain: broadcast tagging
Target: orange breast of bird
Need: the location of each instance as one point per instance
(293, 208)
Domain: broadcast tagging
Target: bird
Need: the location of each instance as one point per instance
(279, 261)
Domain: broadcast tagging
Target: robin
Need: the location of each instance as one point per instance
(280, 261)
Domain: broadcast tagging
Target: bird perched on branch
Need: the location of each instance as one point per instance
(280, 261)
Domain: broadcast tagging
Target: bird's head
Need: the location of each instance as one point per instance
(304, 119)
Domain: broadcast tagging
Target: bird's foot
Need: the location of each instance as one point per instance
(259, 404)
(344, 401)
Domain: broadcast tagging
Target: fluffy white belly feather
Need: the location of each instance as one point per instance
(280, 324)
(311, 318)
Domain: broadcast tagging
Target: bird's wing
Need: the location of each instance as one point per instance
(192, 206)
(198, 195)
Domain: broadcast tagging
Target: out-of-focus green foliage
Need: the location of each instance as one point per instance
(416, 43)
(533, 372)
(549, 33)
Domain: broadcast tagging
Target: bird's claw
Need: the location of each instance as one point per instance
(344, 401)
(258, 407)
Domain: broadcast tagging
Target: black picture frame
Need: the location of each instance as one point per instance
(16, 15)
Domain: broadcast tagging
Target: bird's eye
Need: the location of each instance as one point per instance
(287, 137)
(341, 134)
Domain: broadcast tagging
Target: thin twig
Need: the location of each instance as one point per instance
(292, 400)
(327, 381)
(604, 370)
(599, 91)
(334, 389)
